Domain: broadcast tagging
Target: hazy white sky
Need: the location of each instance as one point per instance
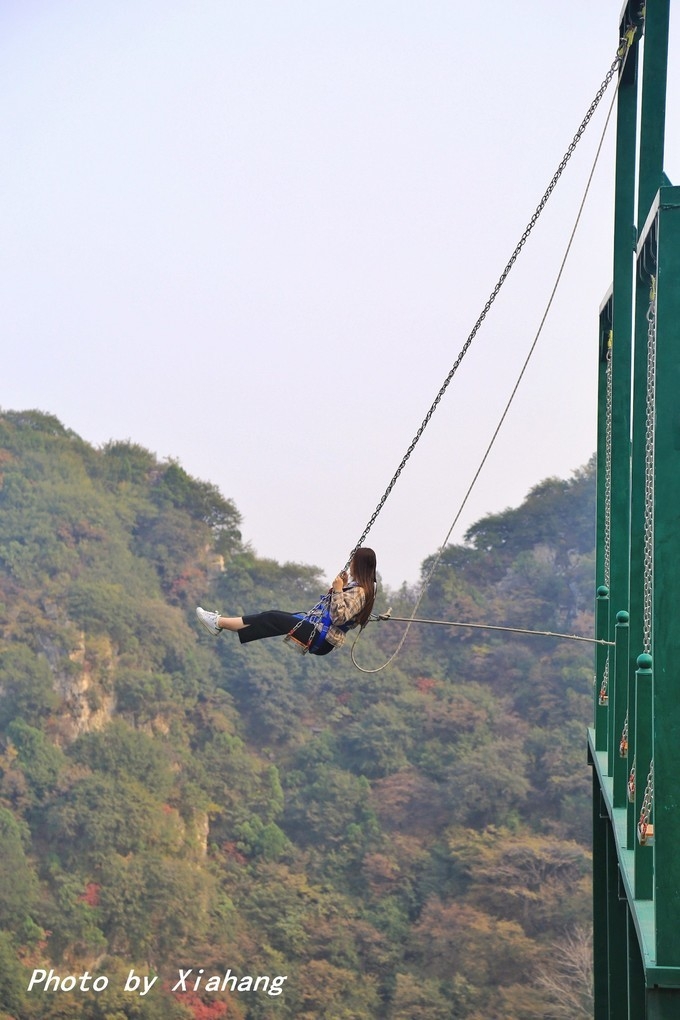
(253, 236)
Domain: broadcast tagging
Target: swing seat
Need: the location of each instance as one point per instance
(297, 645)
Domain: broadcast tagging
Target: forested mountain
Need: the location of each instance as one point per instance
(191, 828)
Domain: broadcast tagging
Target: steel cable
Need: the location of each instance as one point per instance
(619, 62)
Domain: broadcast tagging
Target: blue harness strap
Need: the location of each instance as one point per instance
(320, 618)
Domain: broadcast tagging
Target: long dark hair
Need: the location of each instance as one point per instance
(363, 568)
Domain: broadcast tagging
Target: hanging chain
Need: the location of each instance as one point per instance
(645, 828)
(603, 697)
(631, 783)
(609, 401)
(616, 64)
(648, 558)
(623, 743)
(314, 617)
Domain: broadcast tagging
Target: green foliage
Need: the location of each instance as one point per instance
(153, 908)
(26, 686)
(331, 808)
(127, 463)
(545, 879)
(419, 997)
(200, 500)
(256, 839)
(405, 844)
(12, 978)
(71, 914)
(123, 752)
(142, 695)
(172, 542)
(40, 761)
(100, 815)
(240, 786)
(18, 884)
(379, 742)
(558, 513)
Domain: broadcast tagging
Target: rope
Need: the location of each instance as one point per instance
(618, 62)
(620, 57)
(488, 626)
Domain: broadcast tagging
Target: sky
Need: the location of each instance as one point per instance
(253, 236)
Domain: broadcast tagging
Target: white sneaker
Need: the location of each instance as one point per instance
(209, 620)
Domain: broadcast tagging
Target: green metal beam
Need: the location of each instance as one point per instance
(617, 934)
(636, 867)
(636, 881)
(618, 710)
(644, 751)
(622, 308)
(600, 927)
(666, 638)
(653, 105)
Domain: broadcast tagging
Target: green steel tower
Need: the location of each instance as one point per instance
(634, 745)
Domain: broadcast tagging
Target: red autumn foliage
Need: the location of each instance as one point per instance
(233, 853)
(425, 684)
(91, 894)
(200, 1009)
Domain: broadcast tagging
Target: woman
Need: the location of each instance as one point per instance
(348, 604)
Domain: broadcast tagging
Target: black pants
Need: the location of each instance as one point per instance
(274, 623)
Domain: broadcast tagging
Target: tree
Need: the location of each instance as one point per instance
(488, 783)
(100, 815)
(331, 811)
(568, 978)
(378, 743)
(72, 917)
(120, 751)
(457, 938)
(26, 687)
(409, 843)
(38, 759)
(18, 882)
(539, 881)
(12, 978)
(421, 998)
(154, 907)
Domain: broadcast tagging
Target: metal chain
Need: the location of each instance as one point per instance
(631, 783)
(604, 688)
(648, 558)
(623, 743)
(647, 804)
(644, 825)
(609, 399)
(620, 57)
(603, 697)
(313, 617)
